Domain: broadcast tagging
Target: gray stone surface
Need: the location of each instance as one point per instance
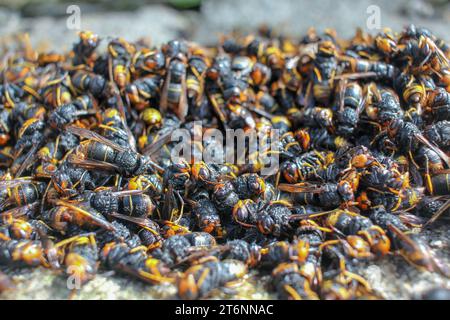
(161, 23)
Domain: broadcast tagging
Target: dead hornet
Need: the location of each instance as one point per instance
(386, 42)
(249, 185)
(83, 50)
(249, 253)
(382, 105)
(128, 202)
(208, 175)
(365, 68)
(147, 230)
(69, 179)
(102, 154)
(146, 61)
(119, 60)
(414, 93)
(241, 250)
(440, 184)
(435, 294)
(432, 208)
(325, 66)
(177, 249)
(326, 195)
(206, 215)
(423, 55)
(120, 234)
(269, 218)
(195, 78)
(95, 84)
(304, 250)
(151, 185)
(56, 91)
(439, 134)
(68, 113)
(343, 284)
(6, 283)
(395, 200)
(306, 166)
(20, 192)
(417, 252)
(141, 92)
(361, 235)
(30, 138)
(65, 214)
(21, 253)
(407, 137)
(439, 104)
(350, 104)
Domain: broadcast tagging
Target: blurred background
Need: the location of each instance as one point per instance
(205, 20)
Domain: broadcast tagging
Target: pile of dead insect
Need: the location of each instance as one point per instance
(88, 182)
